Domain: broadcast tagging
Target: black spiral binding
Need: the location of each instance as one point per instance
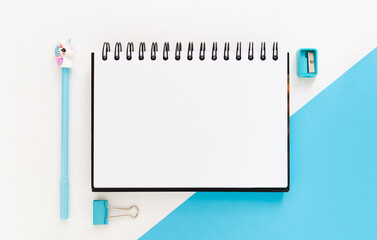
(238, 51)
(105, 50)
(250, 53)
(117, 50)
(141, 50)
(202, 51)
(190, 51)
(214, 51)
(226, 51)
(165, 51)
(263, 51)
(129, 50)
(275, 51)
(178, 49)
(154, 49)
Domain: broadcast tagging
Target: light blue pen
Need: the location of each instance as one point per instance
(64, 53)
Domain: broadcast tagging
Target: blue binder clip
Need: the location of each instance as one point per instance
(101, 212)
(307, 62)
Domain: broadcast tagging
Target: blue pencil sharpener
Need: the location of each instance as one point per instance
(307, 59)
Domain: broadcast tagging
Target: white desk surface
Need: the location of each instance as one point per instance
(30, 90)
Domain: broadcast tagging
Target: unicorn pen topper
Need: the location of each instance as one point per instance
(63, 54)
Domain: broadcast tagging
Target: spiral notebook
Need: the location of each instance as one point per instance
(190, 117)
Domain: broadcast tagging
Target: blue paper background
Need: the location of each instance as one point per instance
(333, 176)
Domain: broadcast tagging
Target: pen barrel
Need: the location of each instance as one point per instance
(64, 145)
(64, 123)
(64, 187)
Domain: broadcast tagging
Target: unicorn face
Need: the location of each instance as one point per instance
(63, 54)
(66, 50)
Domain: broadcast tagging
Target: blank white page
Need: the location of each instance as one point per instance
(190, 124)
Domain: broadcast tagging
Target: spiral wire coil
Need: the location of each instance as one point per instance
(190, 51)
